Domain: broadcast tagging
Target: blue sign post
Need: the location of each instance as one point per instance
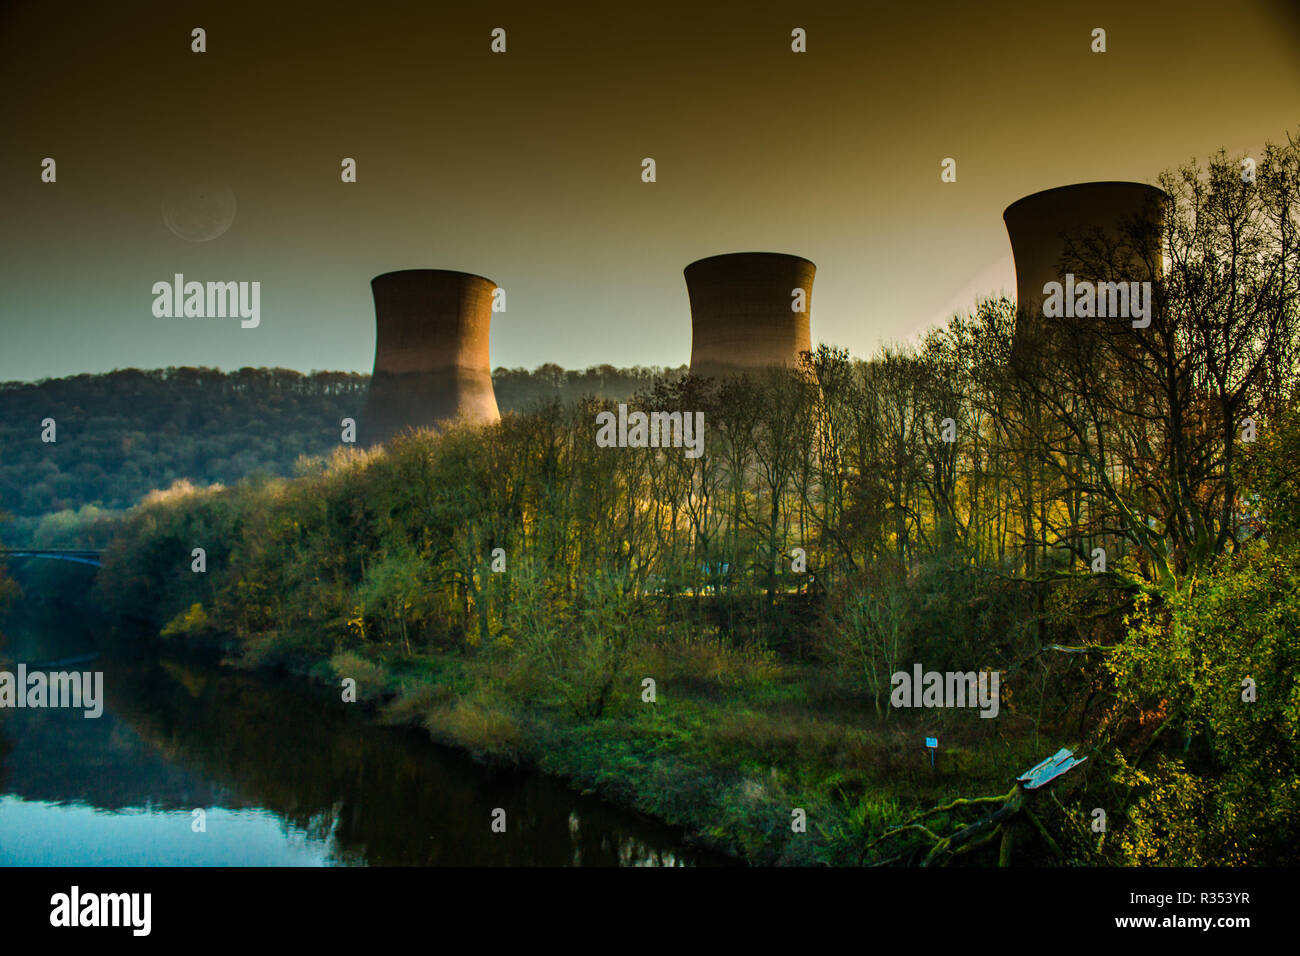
(932, 744)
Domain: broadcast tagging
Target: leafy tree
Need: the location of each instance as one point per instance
(1222, 665)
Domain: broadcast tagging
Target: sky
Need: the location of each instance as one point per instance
(525, 166)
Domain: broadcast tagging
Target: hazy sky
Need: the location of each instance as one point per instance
(525, 167)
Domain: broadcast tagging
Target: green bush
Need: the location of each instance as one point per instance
(1234, 798)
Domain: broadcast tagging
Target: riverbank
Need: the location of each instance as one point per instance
(732, 747)
(730, 744)
(522, 598)
(283, 772)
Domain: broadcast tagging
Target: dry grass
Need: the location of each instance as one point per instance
(371, 677)
(701, 661)
(478, 725)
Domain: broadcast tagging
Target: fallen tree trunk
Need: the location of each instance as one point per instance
(1001, 822)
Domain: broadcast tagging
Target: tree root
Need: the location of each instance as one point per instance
(1001, 822)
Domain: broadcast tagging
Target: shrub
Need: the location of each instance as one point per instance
(371, 677)
(1235, 797)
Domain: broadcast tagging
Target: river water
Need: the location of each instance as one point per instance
(285, 773)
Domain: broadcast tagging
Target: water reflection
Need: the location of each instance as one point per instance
(286, 774)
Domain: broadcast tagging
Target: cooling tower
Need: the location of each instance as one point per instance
(431, 352)
(741, 311)
(1115, 221)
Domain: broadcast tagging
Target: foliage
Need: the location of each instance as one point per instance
(511, 585)
(193, 624)
(123, 433)
(371, 676)
(578, 650)
(1233, 797)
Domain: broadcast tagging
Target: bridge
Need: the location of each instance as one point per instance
(55, 554)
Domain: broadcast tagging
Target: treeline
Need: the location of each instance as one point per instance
(122, 434)
(1094, 510)
(518, 389)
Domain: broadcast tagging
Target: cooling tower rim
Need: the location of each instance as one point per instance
(433, 272)
(1060, 190)
(735, 256)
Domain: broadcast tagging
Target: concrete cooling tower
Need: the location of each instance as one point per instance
(741, 311)
(431, 352)
(1039, 224)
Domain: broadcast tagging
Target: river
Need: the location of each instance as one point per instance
(284, 772)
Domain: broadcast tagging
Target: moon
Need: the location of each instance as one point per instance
(199, 212)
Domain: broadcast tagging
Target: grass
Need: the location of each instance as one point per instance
(735, 742)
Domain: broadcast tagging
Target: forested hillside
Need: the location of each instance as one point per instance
(122, 434)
